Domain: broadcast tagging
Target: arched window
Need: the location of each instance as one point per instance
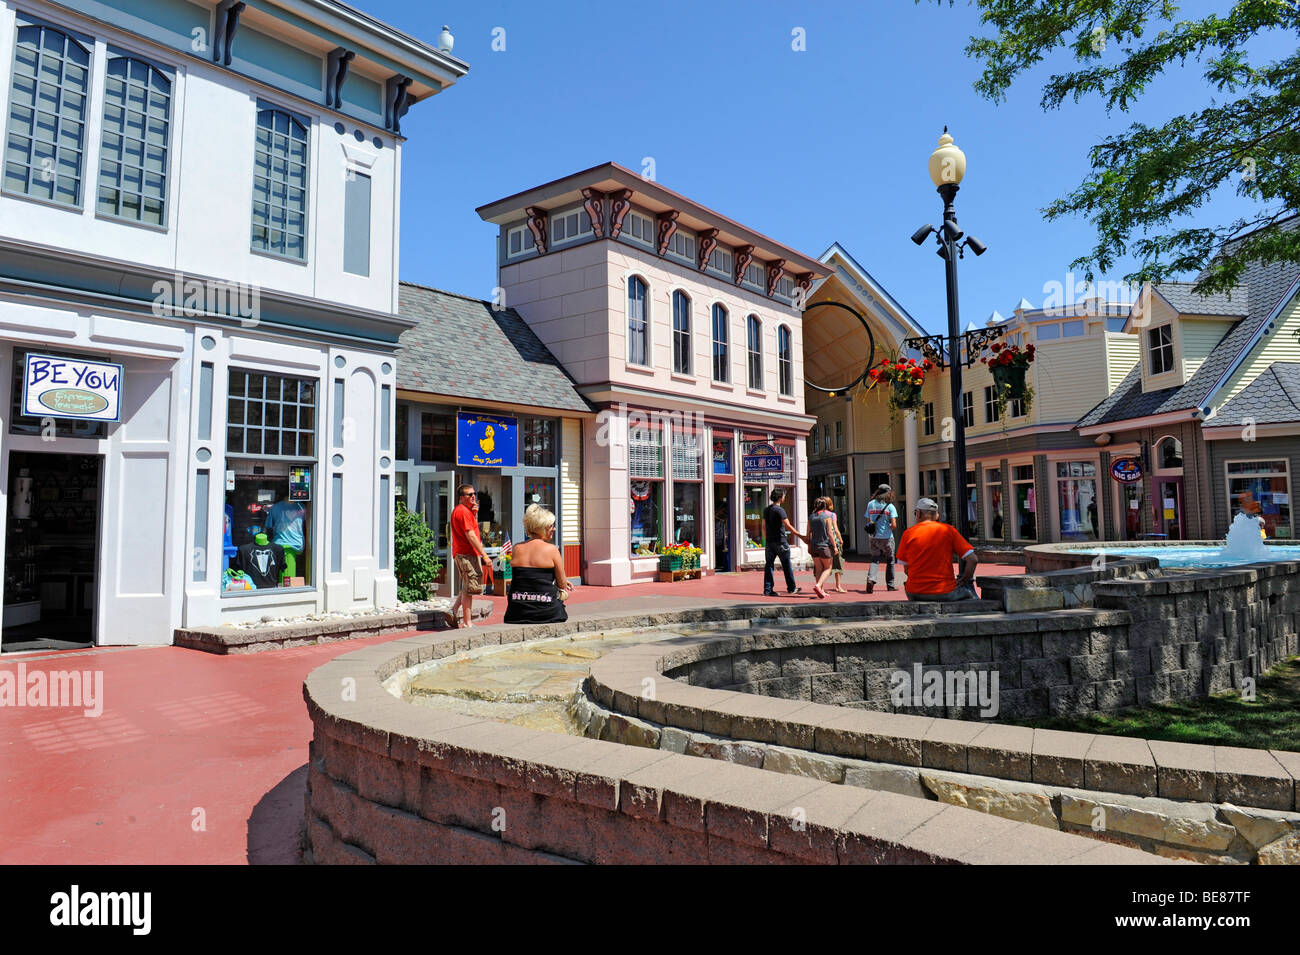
(721, 354)
(784, 360)
(638, 326)
(681, 333)
(133, 151)
(1169, 454)
(280, 183)
(47, 115)
(754, 340)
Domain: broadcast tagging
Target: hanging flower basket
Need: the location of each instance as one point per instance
(907, 397)
(1010, 378)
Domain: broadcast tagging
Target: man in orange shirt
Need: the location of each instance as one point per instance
(467, 553)
(927, 550)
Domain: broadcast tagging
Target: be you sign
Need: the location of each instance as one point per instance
(71, 388)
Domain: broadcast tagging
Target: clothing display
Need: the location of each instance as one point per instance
(262, 562)
(284, 524)
(533, 597)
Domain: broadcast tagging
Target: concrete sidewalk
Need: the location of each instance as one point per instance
(200, 758)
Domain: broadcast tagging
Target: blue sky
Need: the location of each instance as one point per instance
(829, 144)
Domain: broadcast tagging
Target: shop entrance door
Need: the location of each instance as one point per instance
(722, 524)
(435, 497)
(51, 551)
(1169, 507)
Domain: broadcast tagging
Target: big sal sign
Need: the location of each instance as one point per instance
(1126, 470)
(71, 388)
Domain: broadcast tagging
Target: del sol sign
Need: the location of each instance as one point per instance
(763, 459)
(71, 388)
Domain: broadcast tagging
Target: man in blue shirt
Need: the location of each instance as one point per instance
(284, 522)
(882, 520)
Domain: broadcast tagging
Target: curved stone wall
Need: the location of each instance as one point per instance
(392, 782)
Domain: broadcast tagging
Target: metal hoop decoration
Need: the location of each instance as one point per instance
(871, 351)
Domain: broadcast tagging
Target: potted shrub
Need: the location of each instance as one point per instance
(1009, 365)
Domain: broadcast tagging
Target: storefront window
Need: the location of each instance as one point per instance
(437, 437)
(935, 487)
(647, 500)
(993, 494)
(496, 494)
(539, 442)
(1022, 486)
(722, 456)
(645, 457)
(1269, 485)
(1076, 488)
(270, 482)
(687, 513)
(755, 503)
(972, 503)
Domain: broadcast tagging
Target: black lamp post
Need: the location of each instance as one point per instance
(947, 167)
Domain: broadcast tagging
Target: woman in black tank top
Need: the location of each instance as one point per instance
(538, 587)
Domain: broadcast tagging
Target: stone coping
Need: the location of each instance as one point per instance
(634, 682)
(254, 639)
(732, 804)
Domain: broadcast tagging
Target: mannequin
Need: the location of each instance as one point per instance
(263, 562)
(23, 495)
(284, 521)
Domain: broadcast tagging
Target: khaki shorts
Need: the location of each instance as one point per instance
(467, 569)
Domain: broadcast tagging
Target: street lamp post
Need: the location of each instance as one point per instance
(947, 168)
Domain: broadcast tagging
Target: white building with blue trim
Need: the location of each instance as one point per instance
(205, 194)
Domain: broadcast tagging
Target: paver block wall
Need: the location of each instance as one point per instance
(1145, 641)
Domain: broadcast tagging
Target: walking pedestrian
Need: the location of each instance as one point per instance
(882, 521)
(777, 524)
(837, 561)
(467, 554)
(821, 543)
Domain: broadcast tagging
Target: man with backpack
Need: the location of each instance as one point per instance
(882, 520)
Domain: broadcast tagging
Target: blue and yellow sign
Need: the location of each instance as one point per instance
(486, 441)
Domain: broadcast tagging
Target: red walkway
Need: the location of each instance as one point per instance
(199, 758)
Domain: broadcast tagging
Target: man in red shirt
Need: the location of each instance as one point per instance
(467, 554)
(927, 550)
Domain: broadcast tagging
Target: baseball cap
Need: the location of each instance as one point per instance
(884, 489)
(926, 504)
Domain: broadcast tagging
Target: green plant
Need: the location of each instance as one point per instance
(415, 555)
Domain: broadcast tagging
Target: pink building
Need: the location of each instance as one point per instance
(683, 328)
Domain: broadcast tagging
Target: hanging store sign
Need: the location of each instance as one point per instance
(71, 388)
(486, 441)
(1126, 470)
(763, 459)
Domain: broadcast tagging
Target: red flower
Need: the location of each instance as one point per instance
(996, 347)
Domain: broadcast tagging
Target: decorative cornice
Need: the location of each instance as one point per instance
(537, 224)
(397, 100)
(708, 241)
(665, 225)
(594, 202)
(744, 256)
(621, 205)
(223, 42)
(774, 272)
(339, 63)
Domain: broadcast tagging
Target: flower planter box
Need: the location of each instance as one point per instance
(669, 564)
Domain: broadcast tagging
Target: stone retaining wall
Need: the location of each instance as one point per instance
(1194, 831)
(393, 782)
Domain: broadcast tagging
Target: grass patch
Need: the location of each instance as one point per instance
(1270, 721)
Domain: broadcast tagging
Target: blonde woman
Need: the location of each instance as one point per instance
(538, 587)
(837, 560)
(821, 543)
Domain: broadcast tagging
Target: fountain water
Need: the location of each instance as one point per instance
(1244, 542)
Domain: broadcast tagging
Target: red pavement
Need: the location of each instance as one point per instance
(199, 758)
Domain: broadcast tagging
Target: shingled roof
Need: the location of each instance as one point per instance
(465, 348)
(1272, 398)
(1232, 303)
(1263, 287)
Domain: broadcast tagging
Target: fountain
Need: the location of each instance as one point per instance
(1244, 544)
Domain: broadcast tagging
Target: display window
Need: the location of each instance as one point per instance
(993, 495)
(755, 503)
(1268, 484)
(1076, 489)
(1026, 503)
(647, 511)
(270, 484)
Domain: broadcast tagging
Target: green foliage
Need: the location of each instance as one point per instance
(415, 556)
(1142, 180)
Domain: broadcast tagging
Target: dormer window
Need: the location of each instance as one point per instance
(519, 240)
(640, 228)
(569, 226)
(720, 260)
(1160, 350)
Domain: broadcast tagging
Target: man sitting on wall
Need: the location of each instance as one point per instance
(927, 551)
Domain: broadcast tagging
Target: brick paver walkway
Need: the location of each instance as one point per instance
(199, 758)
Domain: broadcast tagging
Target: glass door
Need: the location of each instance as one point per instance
(435, 497)
(722, 525)
(1169, 507)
